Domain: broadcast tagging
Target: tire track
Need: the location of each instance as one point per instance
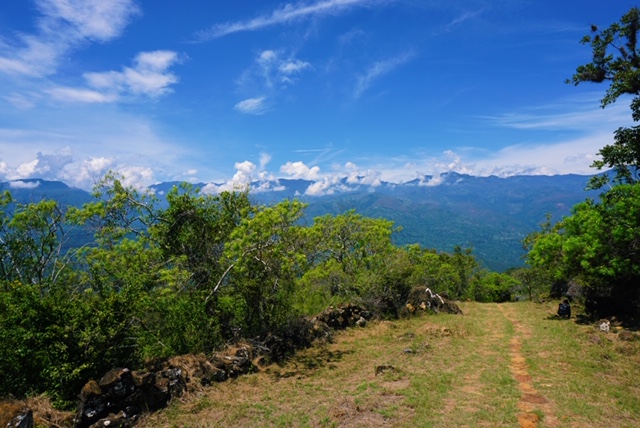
(533, 406)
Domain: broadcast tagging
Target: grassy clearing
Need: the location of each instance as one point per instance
(435, 371)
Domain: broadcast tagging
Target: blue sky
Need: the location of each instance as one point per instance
(226, 92)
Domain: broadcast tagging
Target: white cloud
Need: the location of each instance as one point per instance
(252, 106)
(20, 101)
(149, 76)
(266, 57)
(271, 72)
(328, 186)
(265, 158)
(300, 170)
(55, 145)
(79, 95)
(24, 184)
(465, 16)
(579, 112)
(286, 14)
(64, 25)
(95, 19)
(45, 166)
(273, 67)
(379, 69)
(293, 67)
(136, 176)
(90, 171)
(27, 169)
(241, 180)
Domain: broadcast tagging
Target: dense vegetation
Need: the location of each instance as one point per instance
(188, 277)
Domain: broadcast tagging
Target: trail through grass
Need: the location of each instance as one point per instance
(504, 365)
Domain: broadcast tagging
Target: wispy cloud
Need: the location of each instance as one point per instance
(465, 16)
(272, 72)
(576, 113)
(379, 69)
(64, 25)
(252, 106)
(286, 14)
(79, 95)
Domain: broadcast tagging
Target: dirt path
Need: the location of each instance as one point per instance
(533, 406)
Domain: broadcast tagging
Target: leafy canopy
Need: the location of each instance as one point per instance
(616, 59)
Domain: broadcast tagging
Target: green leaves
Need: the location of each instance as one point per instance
(266, 256)
(600, 245)
(616, 59)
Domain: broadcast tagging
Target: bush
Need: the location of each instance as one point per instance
(54, 343)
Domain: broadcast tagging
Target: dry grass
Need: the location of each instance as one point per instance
(44, 415)
(437, 371)
(502, 365)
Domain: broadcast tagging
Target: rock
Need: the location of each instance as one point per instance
(595, 339)
(143, 378)
(343, 316)
(361, 322)
(121, 396)
(117, 383)
(383, 369)
(92, 404)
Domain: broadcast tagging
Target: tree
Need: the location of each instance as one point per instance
(196, 227)
(493, 287)
(599, 244)
(265, 257)
(616, 59)
(33, 240)
(347, 253)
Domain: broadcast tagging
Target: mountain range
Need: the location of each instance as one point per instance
(489, 214)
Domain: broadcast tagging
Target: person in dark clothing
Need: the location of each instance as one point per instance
(564, 309)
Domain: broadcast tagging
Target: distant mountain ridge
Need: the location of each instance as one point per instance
(490, 214)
